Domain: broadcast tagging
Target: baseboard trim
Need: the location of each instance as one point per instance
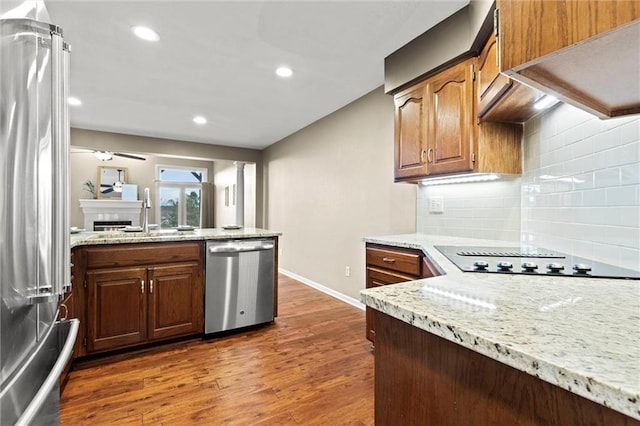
(343, 297)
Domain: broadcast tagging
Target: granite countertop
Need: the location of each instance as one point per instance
(580, 334)
(119, 237)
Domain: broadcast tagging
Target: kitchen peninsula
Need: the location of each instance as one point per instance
(479, 348)
(133, 288)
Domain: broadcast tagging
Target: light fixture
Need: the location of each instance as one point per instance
(474, 177)
(547, 101)
(145, 33)
(74, 101)
(117, 185)
(103, 155)
(284, 72)
(198, 119)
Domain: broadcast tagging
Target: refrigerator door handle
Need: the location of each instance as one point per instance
(60, 247)
(51, 381)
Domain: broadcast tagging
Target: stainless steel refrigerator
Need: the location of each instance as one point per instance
(34, 231)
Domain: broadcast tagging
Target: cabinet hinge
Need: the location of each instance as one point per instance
(84, 284)
(84, 342)
(473, 158)
(496, 21)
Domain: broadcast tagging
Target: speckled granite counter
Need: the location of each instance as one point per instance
(120, 237)
(580, 334)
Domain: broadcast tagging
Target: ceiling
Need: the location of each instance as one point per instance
(218, 59)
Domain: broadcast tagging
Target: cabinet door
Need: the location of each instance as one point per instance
(450, 112)
(410, 126)
(116, 310)
(175, 300)
(377, 278)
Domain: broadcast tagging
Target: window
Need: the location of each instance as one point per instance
(179, 194)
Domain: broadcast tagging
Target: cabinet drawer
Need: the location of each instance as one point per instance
(378, 277)
(395, 260)
(141, 254)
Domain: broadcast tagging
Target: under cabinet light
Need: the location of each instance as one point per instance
(74, 101)
(545, 102)
(475, 177)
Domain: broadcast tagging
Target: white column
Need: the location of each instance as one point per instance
(239, 193)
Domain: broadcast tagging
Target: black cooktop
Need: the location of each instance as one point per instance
(538, 261)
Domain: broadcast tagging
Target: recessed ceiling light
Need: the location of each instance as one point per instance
(198, 119)
(74, 101)
(284, 71)
(145, 33)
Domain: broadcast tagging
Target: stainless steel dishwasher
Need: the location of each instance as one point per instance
(240, 284)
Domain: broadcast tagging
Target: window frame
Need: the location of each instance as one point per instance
(181, 186)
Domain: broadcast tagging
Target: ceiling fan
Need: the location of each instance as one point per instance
(108, 155)
(115, 187)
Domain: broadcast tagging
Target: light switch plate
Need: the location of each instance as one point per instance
(436, 204)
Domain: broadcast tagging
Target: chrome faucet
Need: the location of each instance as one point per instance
(146, 206)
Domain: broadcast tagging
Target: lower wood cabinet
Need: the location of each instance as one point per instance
(141, 293)
(391, 265)
(423, 379)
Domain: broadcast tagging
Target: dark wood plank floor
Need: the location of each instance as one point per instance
(312, 366)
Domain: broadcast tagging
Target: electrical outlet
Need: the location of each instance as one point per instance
(436, 204)
(347, 271)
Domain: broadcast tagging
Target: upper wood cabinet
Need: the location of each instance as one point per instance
(500, 98)
(410, 133)
(437, 132)
(585, 52)
(450, 115)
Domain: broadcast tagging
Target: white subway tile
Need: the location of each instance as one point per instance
(630, 174)
(607, 177)
(595, 197)
(623, 195)
(630, 132)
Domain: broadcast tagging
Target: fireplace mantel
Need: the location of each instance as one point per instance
(110, 210)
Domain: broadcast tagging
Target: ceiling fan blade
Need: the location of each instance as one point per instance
(133, 157)
(108, 190)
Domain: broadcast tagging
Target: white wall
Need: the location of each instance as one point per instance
(579, 191)
(225, 179)
(329, 185)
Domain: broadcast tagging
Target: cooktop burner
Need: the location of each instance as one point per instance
(538, 261)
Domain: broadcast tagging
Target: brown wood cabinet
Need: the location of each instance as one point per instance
(423, 379)
(437, 132)
(585, 52)
(141, 293)
(410, 133)
(392, 265)
(499, 98)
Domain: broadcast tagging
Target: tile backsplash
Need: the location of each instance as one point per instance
(579, 191)
(581, 185)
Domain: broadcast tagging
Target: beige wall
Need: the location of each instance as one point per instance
(157, 151)
(329, 185)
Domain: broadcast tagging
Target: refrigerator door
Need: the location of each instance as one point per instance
(34, 239)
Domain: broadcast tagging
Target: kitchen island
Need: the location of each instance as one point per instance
(470, 348)
(136, 289)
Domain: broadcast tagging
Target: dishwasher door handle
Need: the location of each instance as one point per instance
(239, 248)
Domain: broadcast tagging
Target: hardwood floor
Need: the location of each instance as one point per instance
(312, 366)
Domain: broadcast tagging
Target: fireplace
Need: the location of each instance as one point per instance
(99, 214)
